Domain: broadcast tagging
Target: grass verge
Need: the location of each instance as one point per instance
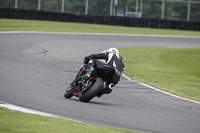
(18, 122)
(175, 70)
(50, 26)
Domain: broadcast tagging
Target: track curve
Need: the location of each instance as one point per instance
(36, 68)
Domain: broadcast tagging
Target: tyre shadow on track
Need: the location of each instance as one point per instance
(95, 102)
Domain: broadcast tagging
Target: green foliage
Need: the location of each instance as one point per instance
(28, 4)
(99, 7)
(150, 8)
(195, 12)
(75, 6)
(176, 10)
(7, 3)
(51, 5)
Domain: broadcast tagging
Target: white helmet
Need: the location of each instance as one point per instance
(113, 50)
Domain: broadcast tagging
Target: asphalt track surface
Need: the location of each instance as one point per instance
(36, 68)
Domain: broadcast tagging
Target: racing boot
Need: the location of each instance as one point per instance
(72, 84)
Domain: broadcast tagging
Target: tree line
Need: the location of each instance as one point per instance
(173, 9)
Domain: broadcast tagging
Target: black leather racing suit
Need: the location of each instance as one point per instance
(112, 59)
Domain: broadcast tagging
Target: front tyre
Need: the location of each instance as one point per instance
(95, 88)
(69, 92)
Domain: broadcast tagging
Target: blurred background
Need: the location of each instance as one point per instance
(183, 10)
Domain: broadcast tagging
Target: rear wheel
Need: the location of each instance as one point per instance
(69, 92)
(95, 86)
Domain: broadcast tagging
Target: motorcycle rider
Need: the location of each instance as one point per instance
(108, 58)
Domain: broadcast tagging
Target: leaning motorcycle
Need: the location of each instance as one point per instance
(97, 85)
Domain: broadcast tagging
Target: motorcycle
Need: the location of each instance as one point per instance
(97, 85)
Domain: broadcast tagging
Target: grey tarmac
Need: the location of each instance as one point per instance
(36, 69)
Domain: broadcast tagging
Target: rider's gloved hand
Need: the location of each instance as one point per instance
(86, 60)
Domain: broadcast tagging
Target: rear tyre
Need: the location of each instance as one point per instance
(95, 88)
(69, 92)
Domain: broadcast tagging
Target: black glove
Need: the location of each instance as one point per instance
(86, 60)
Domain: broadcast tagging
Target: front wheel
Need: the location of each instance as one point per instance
(92, 91)
(69, 92)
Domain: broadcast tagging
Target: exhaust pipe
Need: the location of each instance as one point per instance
(111, 85)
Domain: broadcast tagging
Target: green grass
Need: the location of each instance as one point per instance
(28, 25)
(175, 70)
(18, 122)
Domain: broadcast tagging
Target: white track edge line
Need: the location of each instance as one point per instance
(125, 76)
(31, 111)
(107, 34)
